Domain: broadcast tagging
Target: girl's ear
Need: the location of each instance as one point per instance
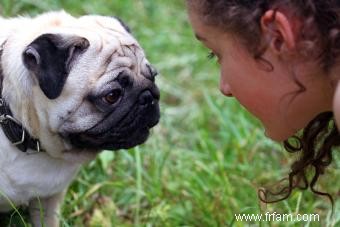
(279, 30)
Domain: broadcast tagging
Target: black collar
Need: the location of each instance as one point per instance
(12, 128)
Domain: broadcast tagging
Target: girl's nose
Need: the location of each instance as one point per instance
(225, 89)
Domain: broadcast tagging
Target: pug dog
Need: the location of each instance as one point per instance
(70, 87)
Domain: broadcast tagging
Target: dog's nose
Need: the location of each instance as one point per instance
(146, 98)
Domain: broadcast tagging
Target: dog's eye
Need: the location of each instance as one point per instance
(113, 96)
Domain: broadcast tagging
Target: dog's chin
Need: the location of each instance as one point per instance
(108, 141)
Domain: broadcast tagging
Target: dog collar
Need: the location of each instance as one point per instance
(11, 127)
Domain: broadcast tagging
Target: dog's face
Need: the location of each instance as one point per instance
(92, 86)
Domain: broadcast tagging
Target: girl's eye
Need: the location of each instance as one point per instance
(211, 55)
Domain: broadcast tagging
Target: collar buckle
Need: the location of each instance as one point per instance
(5, 118)
(36, 151)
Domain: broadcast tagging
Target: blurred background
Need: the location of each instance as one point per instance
(206, 159)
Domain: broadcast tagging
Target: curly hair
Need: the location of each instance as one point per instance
(318, 38)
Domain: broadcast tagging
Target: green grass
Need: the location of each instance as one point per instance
(205, 160)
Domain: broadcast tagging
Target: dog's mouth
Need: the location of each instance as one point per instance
(131, 130)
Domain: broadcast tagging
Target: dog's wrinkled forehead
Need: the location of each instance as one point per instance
(110, 38)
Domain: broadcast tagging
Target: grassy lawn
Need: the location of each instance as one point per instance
(205, 160)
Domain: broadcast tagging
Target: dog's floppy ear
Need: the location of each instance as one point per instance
(49, 57)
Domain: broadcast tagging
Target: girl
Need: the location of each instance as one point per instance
(280, 59)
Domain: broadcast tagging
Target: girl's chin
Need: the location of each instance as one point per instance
(277, 136)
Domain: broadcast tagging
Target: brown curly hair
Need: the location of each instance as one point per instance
(318, 38)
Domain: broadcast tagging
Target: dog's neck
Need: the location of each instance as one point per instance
(11, 127)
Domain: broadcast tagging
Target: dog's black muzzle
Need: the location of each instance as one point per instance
(124, 127)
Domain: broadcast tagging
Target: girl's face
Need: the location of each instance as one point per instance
(270, 95)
